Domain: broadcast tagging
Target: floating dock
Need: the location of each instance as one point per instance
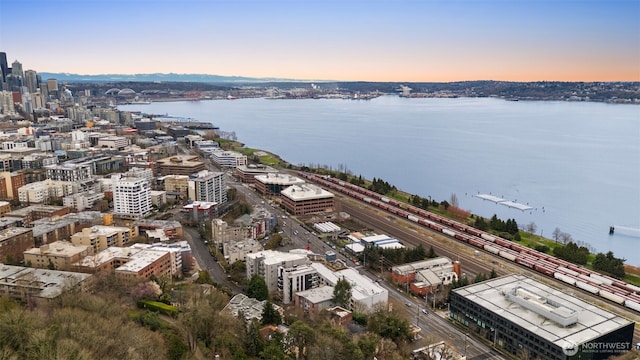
(505, 202)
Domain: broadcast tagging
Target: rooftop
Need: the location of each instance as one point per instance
(553, 314)
(58, 249)
(279, 179)
(317, 295)
(51, 283)
(13, 231)
(306, 192)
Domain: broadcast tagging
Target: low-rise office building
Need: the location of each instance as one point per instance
(307, 199)
(520, 315)
(180, 165)
(272, 184)
(227, 159)
(247, 173)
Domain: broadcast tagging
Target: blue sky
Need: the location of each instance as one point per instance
(371, 40)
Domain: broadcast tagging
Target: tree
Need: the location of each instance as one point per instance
(556, 234)
(253, 341)
(299, 338)
(257, 288)
(270, 316)
(531, 228)
(453, 200)
(342, 294)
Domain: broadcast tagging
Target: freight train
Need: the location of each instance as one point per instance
(608, 288)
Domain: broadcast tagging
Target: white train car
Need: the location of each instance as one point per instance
(587, 287)
(413, 218)
(568, 271)
(488, 237)
(632, 305)
(611, 296)
(601, 279)
(507, 255)
(564, 278)
(491, 249)
(448, 232)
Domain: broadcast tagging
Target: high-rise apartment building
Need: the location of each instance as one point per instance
(208, 186)
(131, 197)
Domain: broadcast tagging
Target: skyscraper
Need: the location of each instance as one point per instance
(16, 69)
(30, 81)
(4, 66)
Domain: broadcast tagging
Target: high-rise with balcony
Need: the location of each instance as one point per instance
(131, 197)
(208, 186)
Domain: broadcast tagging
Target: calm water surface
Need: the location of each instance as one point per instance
(577, 164)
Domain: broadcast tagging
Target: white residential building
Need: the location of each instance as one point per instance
(82, 201)
(208, 186)
(131, 197)
(266, 264)
(365, 293)
(44, 191)
(142, 173)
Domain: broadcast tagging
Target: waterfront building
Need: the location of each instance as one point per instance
(307, 199)
(271, 184)
(227, 159)
(520, 315)
(247, 173)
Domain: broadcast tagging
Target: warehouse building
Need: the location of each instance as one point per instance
(523, 317)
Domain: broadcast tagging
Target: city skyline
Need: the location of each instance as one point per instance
(413, 41)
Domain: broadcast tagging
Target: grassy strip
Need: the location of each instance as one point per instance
(158, 307)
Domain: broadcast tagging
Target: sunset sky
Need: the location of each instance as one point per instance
(368, 40)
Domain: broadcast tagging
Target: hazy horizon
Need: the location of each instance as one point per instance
(350, 40)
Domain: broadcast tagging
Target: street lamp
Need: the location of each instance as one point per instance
(465, 344)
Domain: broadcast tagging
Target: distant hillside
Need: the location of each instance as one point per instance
(171, 77)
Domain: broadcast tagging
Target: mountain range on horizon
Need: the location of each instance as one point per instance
(163, 77)
(223, 79)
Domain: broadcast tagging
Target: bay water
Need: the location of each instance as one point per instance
(577, 164)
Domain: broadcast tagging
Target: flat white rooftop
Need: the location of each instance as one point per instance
(306, 192)
(591, 323)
